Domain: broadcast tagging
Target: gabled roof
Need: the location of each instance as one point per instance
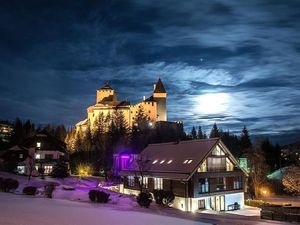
(17, 148)
(48, 142)
(106, 87)
(159, 87)
(176, 160)
(175, 153)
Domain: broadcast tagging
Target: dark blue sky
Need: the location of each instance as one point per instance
(229, 62)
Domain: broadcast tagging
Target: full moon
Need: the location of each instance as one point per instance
(212, 103)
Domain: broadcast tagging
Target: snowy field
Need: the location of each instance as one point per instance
(26, 210)
(73, 207)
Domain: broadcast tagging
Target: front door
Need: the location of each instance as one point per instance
(201, 204)
(217, 203)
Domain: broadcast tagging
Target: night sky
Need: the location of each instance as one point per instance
(229, 62)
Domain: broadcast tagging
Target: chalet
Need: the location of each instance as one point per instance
(42, 149)
(202, 174)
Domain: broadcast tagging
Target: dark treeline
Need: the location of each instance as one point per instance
(24, 129)
(240, 145)
(111, 134)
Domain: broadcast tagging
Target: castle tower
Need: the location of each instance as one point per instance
(160, 96)
(106, 94)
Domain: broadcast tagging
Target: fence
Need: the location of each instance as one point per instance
(281, 213)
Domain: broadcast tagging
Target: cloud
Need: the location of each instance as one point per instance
(54, 55)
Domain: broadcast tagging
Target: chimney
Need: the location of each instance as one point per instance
(144, 97)
(154, 86)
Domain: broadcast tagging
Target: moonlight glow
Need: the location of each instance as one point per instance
(213, 103)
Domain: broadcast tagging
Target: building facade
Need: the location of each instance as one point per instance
(39, 151)
(202, 174)
(154, 107)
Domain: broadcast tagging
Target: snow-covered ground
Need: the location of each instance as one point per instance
(20, 209)
(72, 207)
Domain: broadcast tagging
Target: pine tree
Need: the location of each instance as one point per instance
(141, 131)
(194, 133)
(245, 139)
(214, 131)
(200, 133)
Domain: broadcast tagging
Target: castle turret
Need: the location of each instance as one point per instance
(160, 96)
(106, 94)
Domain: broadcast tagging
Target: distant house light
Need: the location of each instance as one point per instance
(170, 161)
(37, 156)
(155, 161)
(162, 161)
(38, 144)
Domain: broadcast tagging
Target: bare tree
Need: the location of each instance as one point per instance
(258, 168)
(30, 164)
(142, 166)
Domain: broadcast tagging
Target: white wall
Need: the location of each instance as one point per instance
(232, 198)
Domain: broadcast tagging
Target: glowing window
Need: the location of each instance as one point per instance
(38, 144)
(162, 161)
(185, 161)
(190, 161)
(158, 183)
(155, 161)
(48, 169)
(170, 161)
(37, 156)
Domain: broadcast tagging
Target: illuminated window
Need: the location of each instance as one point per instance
(155, 161)
(48, 169)
(37, 156)
(145, 181)
(158, 183)
(21, 156)
(21, 169)
(38, 144)
(229, 165)
(162, 161)
(202, 167)
(170, 161)
(187, 161)
(217, 151)
(130, 181)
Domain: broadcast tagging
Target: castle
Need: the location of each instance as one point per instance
(154, 107)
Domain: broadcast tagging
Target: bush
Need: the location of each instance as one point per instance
(93, 195)
(29, 190)
(144, 199)
(98, 196)
(255, 203)
(60, 170)
(163, 197)
(9, 184)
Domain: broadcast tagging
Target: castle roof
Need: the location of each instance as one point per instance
(149, 99)
(106, 87)
(159, 87)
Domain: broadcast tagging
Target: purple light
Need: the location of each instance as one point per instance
(125, 156)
